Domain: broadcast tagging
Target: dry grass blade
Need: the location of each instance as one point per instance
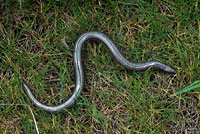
(36, 127)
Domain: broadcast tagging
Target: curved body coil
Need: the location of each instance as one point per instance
(80, 73)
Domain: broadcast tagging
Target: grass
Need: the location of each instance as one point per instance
(114, 100)
(191, 87)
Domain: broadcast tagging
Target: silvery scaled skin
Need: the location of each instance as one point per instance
(80, 73)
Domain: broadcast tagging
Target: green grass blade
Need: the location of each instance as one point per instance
(191, 87)
(20, 4)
